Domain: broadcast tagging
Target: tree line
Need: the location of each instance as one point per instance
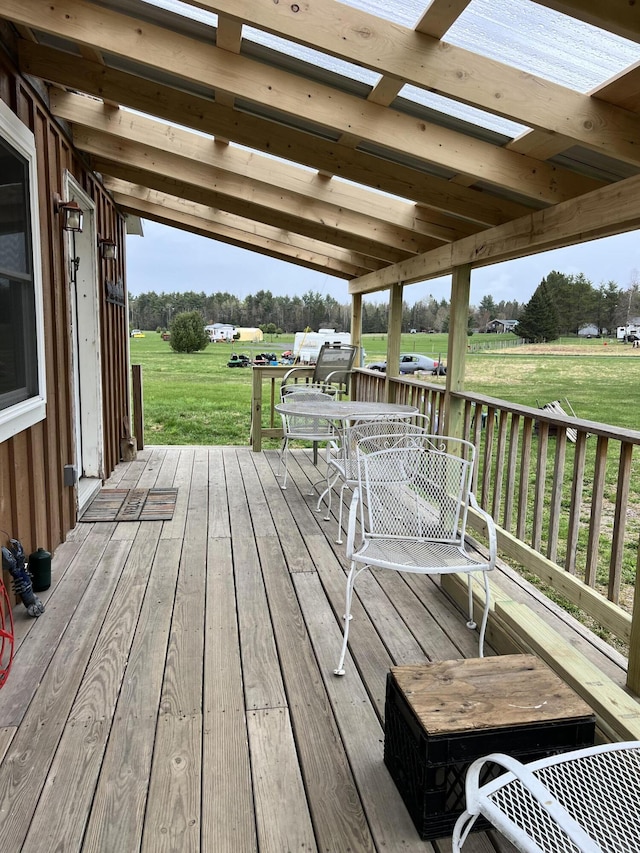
(288, 314)
(564, 302)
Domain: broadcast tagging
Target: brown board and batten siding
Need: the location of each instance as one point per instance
(35, 505)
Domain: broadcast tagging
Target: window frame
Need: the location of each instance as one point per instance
(20, 416)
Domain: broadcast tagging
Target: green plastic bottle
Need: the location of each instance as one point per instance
(40, 569)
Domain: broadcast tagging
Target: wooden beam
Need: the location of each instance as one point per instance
(261, 246)
(622, 90)
(205, 116)
(245, 197)
(235, 196)
(539, 144)
(228, 37)
(233, 229)
(189, 60)
(388, 48)
(229, 34)
(440, 17)
(607, 211)
(396, 214)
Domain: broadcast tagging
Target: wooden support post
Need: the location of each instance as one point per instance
(394, 337)
(356, 327)
(457, 350)
(138, 407)
(633, 667)
(256, 412)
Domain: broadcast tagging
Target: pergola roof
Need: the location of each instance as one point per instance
(374, 140)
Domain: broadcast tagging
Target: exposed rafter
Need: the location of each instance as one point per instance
(201, 114)
(601, 213)
(189, 60)
(396, 215)
(424, 61)
(264, 239)
(455, 192)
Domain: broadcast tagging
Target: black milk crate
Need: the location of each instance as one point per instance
(429, 769)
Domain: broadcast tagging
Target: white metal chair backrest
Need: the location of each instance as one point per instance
(315, 427)
(416, 491)
(380, 435)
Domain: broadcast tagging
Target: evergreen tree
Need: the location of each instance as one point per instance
(187, 332)
(539, 321)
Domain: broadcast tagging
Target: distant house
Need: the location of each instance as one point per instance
(498, 326)
(220, 332)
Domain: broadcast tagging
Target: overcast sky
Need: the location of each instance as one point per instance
(169, 260)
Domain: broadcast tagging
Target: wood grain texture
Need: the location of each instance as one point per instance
(144, 689)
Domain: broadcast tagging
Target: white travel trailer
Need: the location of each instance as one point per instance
(306, 345)
(624, 333)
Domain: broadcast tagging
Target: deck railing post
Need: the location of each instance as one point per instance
(256, 411)
(138, 407)
(633, 667)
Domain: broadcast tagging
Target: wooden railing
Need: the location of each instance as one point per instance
(564, 491)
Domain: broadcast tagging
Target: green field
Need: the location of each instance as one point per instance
(197, 399)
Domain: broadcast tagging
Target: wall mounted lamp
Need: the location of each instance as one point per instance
(71, 211)
(108, 250)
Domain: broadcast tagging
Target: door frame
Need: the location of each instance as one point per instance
(86, 360)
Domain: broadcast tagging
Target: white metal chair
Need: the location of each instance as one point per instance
(342, 462)
(412, 503)
(295, 427)
(585, 801)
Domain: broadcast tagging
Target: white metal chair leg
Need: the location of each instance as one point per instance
(485, 612)
(353, 574)
(339, 539)
(284, 461)
(327, 491)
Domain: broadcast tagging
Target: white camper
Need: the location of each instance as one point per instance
(306, 345)
(624, 333)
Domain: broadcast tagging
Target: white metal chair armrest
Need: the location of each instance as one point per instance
(491, 527)
(351, 528)
(583, 801)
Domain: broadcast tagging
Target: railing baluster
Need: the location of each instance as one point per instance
(503, 473)
(540, 485)
(499, 464)
(575, 506)
(525, 468)
(620, 521)
(512, 463)
(555, 502)
(597, 493)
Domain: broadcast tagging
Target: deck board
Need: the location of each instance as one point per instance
(180, 682)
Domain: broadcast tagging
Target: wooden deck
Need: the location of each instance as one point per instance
(178, 693)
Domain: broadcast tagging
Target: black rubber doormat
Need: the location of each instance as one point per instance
(131, 505)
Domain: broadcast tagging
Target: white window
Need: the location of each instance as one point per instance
(22, 375)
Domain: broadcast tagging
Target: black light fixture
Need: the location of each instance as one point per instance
(108, 250)
(72, 212)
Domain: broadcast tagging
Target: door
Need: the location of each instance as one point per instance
(86, 374)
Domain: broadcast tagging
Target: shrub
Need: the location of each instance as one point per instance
(187, 332)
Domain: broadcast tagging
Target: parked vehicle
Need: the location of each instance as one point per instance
(410, 362)
(239, 361)
(264, 358)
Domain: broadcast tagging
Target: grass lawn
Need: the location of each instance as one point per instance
(197, 399)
